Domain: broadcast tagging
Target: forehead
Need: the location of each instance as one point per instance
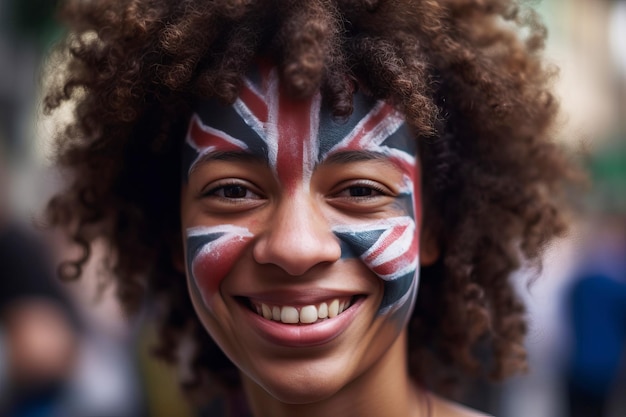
(264, 121)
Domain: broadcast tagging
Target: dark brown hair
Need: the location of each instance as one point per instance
(467, 74)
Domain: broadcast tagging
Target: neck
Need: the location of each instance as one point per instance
(385, 389)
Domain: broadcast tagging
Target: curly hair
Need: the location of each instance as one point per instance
(467, 74)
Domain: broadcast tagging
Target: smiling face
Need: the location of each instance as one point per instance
(301, 235)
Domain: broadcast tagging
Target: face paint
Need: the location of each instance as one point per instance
(390, 250)
(204, 140)
(293, 137)
(211, 254)
(270, 125)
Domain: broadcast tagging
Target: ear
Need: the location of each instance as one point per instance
(429, 247)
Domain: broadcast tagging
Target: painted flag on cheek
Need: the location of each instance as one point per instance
(390, 248)
(211, 255)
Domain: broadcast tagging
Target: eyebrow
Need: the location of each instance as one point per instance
(345, 157)
(234, 156)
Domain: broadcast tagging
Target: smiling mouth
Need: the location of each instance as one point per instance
(306, 314)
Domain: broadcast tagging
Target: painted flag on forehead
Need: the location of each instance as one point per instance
(212, 252)
(390, 248)
(292, 136)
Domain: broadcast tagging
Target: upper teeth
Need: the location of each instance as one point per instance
(305, 314)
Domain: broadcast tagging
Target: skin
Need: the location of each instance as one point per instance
(294, 139)
(42, 346)
(302, 217)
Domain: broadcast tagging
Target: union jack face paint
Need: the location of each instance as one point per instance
(294, 137)
(211, 254)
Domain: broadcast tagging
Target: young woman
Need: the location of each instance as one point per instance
(326, 197)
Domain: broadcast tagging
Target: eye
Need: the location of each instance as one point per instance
(362, 197)
(363, 189)
(231, 191)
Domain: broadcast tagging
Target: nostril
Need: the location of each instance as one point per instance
(297, 253)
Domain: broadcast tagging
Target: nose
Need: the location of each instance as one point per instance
(297, 238)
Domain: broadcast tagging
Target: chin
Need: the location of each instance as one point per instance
(302, 392)
(302, 386)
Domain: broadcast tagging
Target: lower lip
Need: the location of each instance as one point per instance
(308, 335)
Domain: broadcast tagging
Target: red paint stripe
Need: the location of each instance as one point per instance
(413, 171)
(210, 268)
(203, 139)
(377, 118)
(294, 133)
(396, 264)
(384, 244)
(373, 120)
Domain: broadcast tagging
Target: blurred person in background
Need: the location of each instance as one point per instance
(596, 300)
(56, 358)
(38, 331)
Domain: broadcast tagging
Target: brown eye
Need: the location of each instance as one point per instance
(234, 191)
(361, 191)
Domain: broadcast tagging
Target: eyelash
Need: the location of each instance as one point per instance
(365, 184)
(212, 192)
(371, 185)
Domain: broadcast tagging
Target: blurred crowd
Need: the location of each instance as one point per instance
(66, 349)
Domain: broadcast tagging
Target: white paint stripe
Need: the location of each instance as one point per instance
(382, 131)
(398, 153)
(372, 139)
(382, 224)
(247, 114)
(271, 132)
(407, 187)
(394, 250)
(356, 130)
(204, 150)
(231, 232)
(249, 118)
(222, 228)
(311, 148)
(201, 155)
(409, 267)
(212, 131)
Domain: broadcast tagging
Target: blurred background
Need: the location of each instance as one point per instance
(64, 354)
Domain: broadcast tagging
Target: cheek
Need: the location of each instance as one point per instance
(390, 249)
(211, 255)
